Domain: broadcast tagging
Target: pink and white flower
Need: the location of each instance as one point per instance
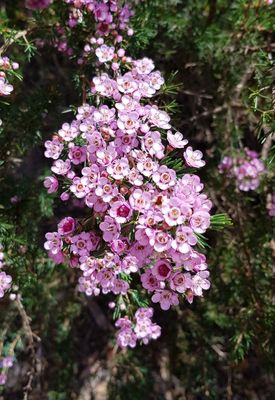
(164, 177)
(61, 167)
(176, 140)
(68, 132)
(121, 211)
(166, 299)
(5, 283)
(193, 158)
(105, 53)
(110, 229)
(66, 226)
(162, 270)
(54, 242)
(51, 184)
(77, 154)
(53, 148)
(184, 239)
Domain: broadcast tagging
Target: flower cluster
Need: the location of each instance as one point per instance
(5, 364)
(5, 280)
(142, 329)
(108, 14)
(37, 4)
(111, 18)
(146, 219)
(6, 65)
(245, 168)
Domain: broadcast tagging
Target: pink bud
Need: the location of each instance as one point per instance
(112, 305)
(121, 52)
(64, 196)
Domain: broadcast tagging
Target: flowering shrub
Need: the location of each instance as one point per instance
(246, 168)
(126, 208)
(146, 216)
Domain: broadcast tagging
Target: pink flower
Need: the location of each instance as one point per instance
(153, 145)
(162, 270)
(226, 165)
(66, 226)
(77, 154)
(128, 122)
(129, 264)
(126, 83)
(80, 187)
(105, 190)
(61, 167)
(140, 200)
(127, 104)
(160, 240)
(200, 221)
(164, 177)
(193, 158)
(88, 286)
(200, 283)
(143, 313)
(105, 157)
(105, 86)
(54, 243)
(105, 53)
(53, 148)
(166, 299)
(135, 178)
(5, 283)
(159, 118)
(92, 174)
(7, 362)
(104, 115)
(119, 246)
(176, 140)
(147, 167)
(3, 379)
(184, 239)
(121, 211)
(195, 262)
(83, 243)
(149, 281)
(126, 337)
(120, 287)
(51, 184)
(172, 211)
(271, 207)
(125, 141)
(119, 169)
(5, 87)
(156, 80)
(144, 66)
(57, 258)
(110, 229)
(68, 132)
(179, 282)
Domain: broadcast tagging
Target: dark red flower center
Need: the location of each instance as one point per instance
(123, 211)
(163, 270)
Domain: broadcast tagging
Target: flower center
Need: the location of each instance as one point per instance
(123, 211)
(163, 270)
